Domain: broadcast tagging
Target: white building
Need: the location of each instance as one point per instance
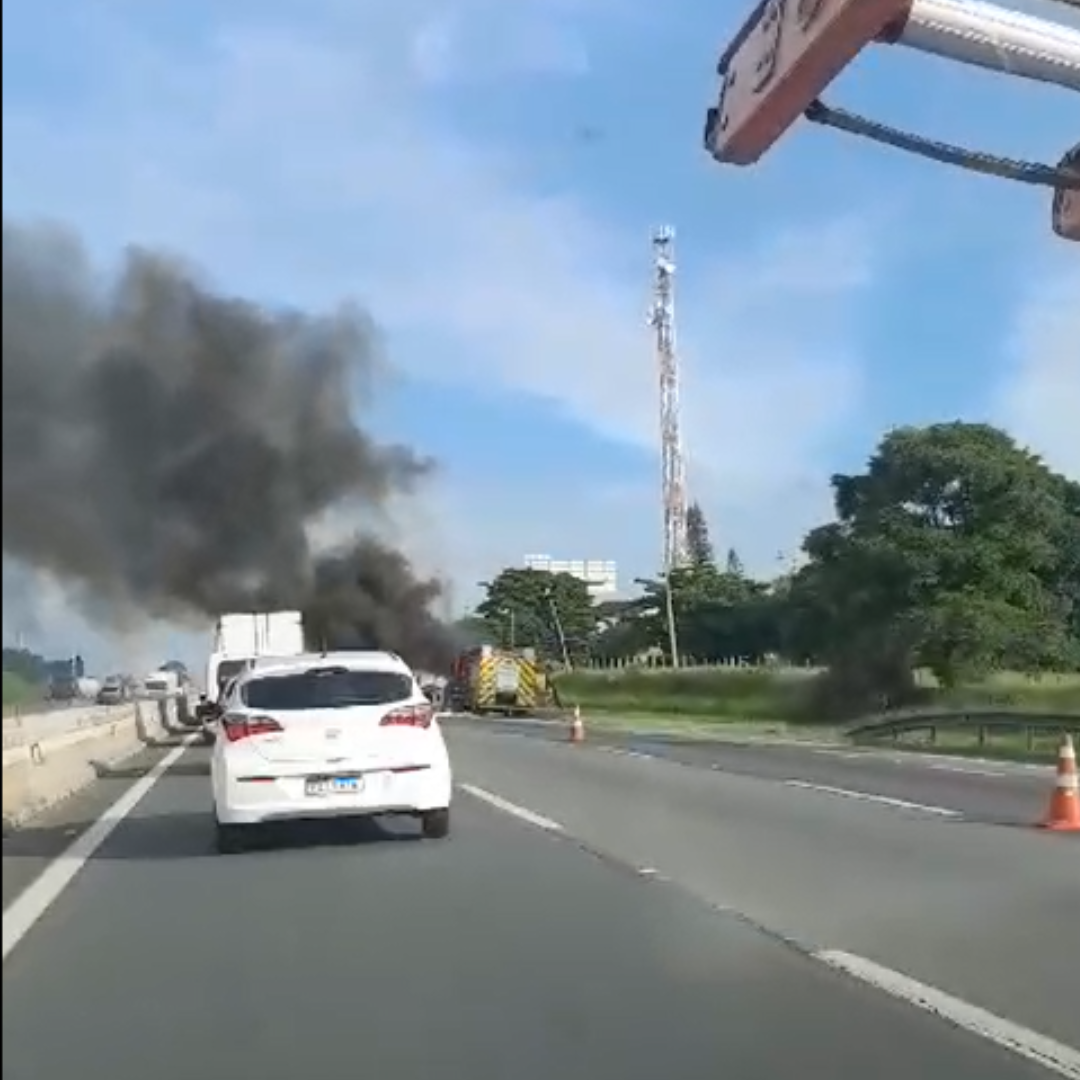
(601, 575)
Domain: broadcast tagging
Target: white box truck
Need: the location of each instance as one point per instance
(241, 637)
(162, 684)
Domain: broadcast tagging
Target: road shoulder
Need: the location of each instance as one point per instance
(30, 848)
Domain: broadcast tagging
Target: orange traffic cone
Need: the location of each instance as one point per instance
(1064, 812)
(577, 728)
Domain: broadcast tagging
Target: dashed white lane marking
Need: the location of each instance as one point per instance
(1052, 1055)
(1002, 770)
(940, 766)
(970, 767)
(21, 915)
(964, 770)
(508, 807)
(639, 755)
(865, 796)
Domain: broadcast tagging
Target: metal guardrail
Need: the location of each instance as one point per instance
(981, 721)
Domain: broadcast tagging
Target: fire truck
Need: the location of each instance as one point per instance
(486, 680)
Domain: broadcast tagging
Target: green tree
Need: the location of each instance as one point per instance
(718, 615)
(1066, 578)
(725, 615)
(527, 607)
(955, 550)
(946, 553)
(698, 541)
(28, 665)
(621, 631)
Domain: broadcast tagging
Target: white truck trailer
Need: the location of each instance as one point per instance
(241, 637)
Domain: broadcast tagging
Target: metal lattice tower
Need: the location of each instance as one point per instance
(662, 320)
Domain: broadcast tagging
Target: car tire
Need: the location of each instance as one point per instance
(435, 824)
(229, 839)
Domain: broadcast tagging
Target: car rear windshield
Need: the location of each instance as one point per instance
(326, 688)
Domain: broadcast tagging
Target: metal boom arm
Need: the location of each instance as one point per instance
(789, 51)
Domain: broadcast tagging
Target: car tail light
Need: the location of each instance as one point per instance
(415, 716)
(244, 727)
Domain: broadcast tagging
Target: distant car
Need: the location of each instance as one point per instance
(161, 685)
(112, 692)
(347, 734)
(63, 688)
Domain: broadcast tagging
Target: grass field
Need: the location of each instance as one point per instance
(767, 704)
(719, 694)
(18, 692)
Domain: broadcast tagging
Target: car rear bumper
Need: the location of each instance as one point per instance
(252, 801)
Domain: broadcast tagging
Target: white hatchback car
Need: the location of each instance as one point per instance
(340, 734)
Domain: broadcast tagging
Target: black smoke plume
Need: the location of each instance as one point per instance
(167, 449)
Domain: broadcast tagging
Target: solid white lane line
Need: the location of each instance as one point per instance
(1057, 1057)
(864, 796)
(23, 912)
(522, 813)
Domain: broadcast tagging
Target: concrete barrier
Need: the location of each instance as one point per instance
(20, 726)
(40, 772)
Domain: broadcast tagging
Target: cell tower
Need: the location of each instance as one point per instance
(662, 320)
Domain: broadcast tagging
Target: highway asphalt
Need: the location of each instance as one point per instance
(535, 942)
(998, 792)
(818, 847)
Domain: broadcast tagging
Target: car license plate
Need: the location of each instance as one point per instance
(334, 785)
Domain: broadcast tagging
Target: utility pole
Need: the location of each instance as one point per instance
(673, 468)
(557, 619)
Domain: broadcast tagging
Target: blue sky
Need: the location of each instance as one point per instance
(484, 176)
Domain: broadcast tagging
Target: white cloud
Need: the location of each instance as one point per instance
(472, 46)
(304, 159)
(1039, 400)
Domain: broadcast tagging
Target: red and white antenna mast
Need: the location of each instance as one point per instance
(662, 320)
